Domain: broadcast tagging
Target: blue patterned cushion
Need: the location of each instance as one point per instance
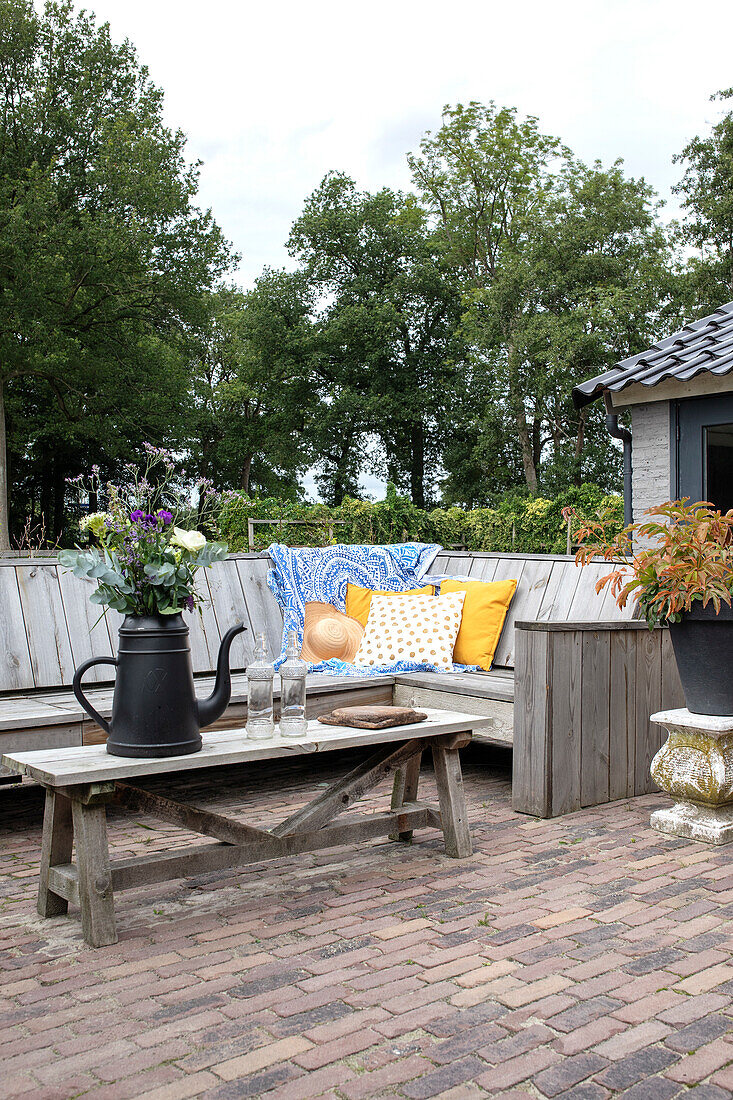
(300, 576)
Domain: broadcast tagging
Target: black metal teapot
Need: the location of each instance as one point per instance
(155, 711)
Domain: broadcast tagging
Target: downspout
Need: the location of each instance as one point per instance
(613, 429)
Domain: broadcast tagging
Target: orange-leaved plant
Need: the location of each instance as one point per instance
(681, 554)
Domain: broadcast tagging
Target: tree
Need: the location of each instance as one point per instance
(253, 394)
(389, 352)
(563, 267)
(103, 254)
(707, 201)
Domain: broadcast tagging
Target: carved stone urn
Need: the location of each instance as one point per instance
(695, 767)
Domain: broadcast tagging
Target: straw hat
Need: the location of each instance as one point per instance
(329, 633)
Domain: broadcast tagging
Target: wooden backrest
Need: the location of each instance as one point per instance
(48, 626)
(550, 588)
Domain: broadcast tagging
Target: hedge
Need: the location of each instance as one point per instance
(518, 525)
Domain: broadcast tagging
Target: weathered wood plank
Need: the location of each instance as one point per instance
(95, 880)
(453, 810)
(587, 603)
(482, 569)
(567, 678)
(559, 592)
(16, 671)
(497, 684)
(262, 607)
(649, 736)
(230, 607)
(56, 848)
(498, 713)
(342, 795)
(215, 856)
(622, 714)
(91, 763)
(188, 817)
(203, 628)
(88, 633)
(406, 782)
(45, 623)
(595, 728)
(531, 586)
(532, 728)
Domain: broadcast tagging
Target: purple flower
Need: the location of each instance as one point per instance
(137, 516)
(164, 517)
(189, 603)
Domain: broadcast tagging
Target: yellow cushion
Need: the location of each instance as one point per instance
(484, 612)
(359, 600)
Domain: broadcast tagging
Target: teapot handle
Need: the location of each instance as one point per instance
(76, 685)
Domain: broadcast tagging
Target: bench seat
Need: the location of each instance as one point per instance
(587, 678)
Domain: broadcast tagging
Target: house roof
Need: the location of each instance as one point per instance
(705, 345)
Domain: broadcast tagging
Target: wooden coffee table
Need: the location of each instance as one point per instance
(81, 781)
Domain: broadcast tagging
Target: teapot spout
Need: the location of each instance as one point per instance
(212, 708)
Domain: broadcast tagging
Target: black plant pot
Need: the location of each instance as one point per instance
(703, 648)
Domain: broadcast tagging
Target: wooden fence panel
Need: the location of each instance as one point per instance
(262, 607)
(531, 742)
(88, 631)
(45, 624)
(622, 714)
(16, 671)
(595, 741)
(559, 592)
(566, 730)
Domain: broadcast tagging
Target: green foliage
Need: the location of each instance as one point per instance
(253, 396)
(519, 524)
(103, 254)
(389, 357)
(682, 553)
(707, 200)
(564, 268)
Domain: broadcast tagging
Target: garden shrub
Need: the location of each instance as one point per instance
(519, 524)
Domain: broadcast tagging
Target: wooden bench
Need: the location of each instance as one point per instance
(80, 782)
(49, 627)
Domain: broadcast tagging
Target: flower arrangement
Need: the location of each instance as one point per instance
(682, 554)
(142, 561)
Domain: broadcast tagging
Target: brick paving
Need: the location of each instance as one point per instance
(581, 958)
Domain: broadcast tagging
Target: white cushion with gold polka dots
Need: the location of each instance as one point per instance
(403, 627)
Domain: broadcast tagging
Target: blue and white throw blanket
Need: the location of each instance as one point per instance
(300, 576)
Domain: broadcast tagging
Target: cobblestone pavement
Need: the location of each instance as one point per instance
(581, 958)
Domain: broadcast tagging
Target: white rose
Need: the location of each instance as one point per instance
(189, 540)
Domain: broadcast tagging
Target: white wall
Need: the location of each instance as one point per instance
(650, 455)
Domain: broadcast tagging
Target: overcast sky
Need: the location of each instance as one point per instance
(274, 95)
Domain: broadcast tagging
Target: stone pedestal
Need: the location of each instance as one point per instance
(695, 767)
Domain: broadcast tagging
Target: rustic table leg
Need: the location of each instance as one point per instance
(95, 880)
(405, 790)
(56, 848)
(452, 801)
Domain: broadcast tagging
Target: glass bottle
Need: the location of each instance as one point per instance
(293, 671)
(260, 674)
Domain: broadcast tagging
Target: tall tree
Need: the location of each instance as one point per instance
(253, 394)
(390, 354)
(103, 254)
(706, 189)
(564, 268)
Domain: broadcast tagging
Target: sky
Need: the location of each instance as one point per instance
(274, 95)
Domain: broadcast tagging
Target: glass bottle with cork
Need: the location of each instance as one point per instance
(293, 672)
(260, 675)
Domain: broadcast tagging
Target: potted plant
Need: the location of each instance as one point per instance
(144, 565)
(678, 564)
